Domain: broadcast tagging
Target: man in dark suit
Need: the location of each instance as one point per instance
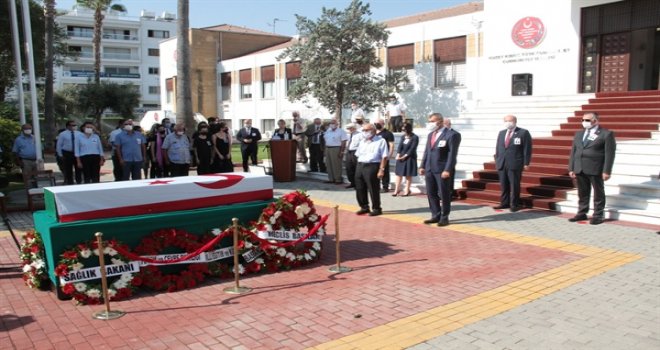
(248, 136)
(437, 165)
(316, 145)
(513, 152)
(592, 157)
(447, 124)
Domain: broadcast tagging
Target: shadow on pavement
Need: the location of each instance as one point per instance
(9, 321)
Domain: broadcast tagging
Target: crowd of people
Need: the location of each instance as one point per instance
(363, 149)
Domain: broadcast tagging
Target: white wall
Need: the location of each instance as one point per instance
(167, 70)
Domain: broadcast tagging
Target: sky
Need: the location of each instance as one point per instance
(262, 14)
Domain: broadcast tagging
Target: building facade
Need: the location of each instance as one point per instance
(130, 52)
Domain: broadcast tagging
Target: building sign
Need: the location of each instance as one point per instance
(528, 32)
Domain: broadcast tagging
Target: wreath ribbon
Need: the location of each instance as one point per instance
(186, 257)
(292, 243)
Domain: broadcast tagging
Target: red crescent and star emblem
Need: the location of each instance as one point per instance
(528, 32)
(160, 182)
(230, 180)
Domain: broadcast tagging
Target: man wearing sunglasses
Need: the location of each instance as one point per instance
(592, 157)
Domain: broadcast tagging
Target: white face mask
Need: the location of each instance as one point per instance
(128, 127)
(27, 131)
(509, 125)
(89, 131)
(586, 125)
(366, 135)
(430, 127)
(180, 133)
(333, 126)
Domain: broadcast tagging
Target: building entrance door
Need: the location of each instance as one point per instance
(615, 62)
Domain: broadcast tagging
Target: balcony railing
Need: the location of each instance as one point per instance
(77, 34)
(89, 74)
(119, 56)
(120, 37)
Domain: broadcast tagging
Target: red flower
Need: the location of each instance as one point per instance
(68, 288)
(254, 267)
(70, 255)
(136, 281)
(61, 270)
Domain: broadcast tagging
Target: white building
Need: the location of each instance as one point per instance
(129, 50)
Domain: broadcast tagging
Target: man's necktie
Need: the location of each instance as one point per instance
(434, 138)
(508, 138)
(73, 141)
(585, 138)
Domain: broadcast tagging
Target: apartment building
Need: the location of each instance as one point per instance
(129, 51)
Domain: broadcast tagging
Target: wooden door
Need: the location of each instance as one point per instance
(615, 62)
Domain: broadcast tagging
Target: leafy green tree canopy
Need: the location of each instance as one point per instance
(337, 52)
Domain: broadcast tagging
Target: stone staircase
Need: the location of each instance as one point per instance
(633, 192)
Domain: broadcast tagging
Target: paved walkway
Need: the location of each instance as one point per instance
(490, 280)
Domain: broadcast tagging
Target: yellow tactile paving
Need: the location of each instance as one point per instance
(432, 323)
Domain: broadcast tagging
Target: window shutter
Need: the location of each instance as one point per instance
(449, 50)
(293, 70)
(401, 56)
(268, 73)
(245, 76)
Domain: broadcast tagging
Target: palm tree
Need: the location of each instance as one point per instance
(49, 114)
(99, 6)
(183, 89)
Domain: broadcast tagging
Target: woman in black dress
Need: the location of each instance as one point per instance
(406, 159)
(222, 162)
(282, 132)
(203, 149)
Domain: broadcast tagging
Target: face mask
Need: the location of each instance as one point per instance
(333, 127)
(509, 125)
(89, 131)
(359, 122)
(586, 125)
(167, 125)
(204, 131)
(379, 127)
(179, 133)
(367, 135)
(430, 127)
(128, 127)
(248, 125)
(27, 131)
(161, 131)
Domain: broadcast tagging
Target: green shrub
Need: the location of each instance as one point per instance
(9, 130)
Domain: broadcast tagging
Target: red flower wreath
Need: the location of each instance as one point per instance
(152, 277)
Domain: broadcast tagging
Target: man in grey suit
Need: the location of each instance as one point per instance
(437, 165)
(513, 152)
(592, 157)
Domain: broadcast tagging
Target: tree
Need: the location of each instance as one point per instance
(99, 7)
(49, 106)
(183, 89)
(336, 53)
(93, 99)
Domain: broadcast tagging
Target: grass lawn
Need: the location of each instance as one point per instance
(262, 152)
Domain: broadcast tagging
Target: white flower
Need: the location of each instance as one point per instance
(248, 245)
(111, 293)
(272, 220)
(93, 293)
(312, 253)
(119, 284)
(27, 268)
(290, 256)
(116, 261)
(308, 257)
(299, 257)
(38, 264)
(281, 252)
(241, 269)
(316, 246)
(126, 277)
(96, 251)
(313, 218)
(260, 261)
(320, 231)
(86, 253)
(110, 251)
(30, 240)
(269, 228)
(80, 287)
(216, 231)
(262, 234)
(277, 214)
(77, 266)
(300, 212)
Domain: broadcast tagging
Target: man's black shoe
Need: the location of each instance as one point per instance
(595, 221)
(362, 211)
(443, 222)
(376, 212)
(384, 190)
(350, 186)
(431, 221)
(514, 209)
(578, 218)
(501, 207)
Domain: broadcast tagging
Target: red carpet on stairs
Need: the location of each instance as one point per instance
(631, 115)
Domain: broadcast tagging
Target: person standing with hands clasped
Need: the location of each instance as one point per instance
(130, 149)
(248, 136)
(372, 155)
(437, 164)
(335, 144)
(406, 160)
(176, 151)
(89, 153)
(354, 137)
(591, 161)
(65, 148)
(513, 153)
(315, 143)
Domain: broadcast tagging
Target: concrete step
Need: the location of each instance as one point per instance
(620, 200)
(624, 214)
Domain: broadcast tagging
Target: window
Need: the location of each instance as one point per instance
(268, 125)
(402, 59)
(153, 52)
(225, 82)
(245, 78)
(153, 70)
(80, 32)
(117, 53)
(268, 81)
(169, 88)
(117, 34)
(154, 90)
(292, 74)
(449, 56)
(82, 51)
(160, 34)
